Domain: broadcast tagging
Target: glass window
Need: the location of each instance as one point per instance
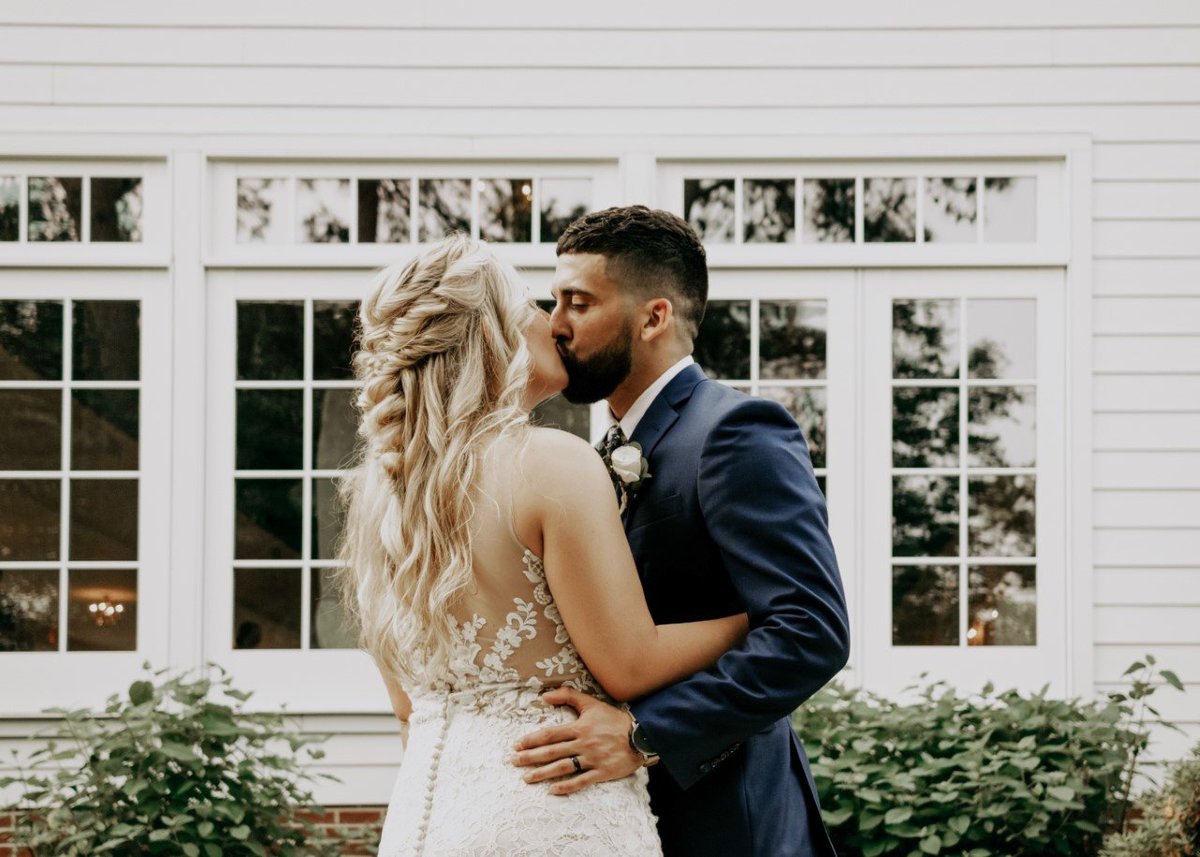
(55, 209)
(444, 207)
(769, 211)
(950, 208)
(69, 468)
(261, 207)
(116, 209)
(506, 210)
(384, 211)
(1010, 209)
(890, 209)
(10, 208)
(323, 211)
(709, 206)
(964, 472)
(829, 210)
(563, 200)
(286, 517)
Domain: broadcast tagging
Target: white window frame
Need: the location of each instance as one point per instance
(66, 678)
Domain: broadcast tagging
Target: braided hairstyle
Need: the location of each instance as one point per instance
(443, 366)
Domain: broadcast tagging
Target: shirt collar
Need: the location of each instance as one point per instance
(638, 409)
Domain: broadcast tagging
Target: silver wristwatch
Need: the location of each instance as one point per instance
(640, 743)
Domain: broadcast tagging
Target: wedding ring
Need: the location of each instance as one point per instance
(575, 762)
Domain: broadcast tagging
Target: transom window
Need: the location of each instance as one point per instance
(70, 207)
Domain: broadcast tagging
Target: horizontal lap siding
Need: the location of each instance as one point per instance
(1126, 74)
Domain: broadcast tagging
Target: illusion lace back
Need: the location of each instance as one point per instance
(456, 793)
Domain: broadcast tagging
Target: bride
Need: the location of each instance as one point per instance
(486, 563)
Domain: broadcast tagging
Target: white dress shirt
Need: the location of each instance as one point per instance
(643, 402)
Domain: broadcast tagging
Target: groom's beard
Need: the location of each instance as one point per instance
(596, 377)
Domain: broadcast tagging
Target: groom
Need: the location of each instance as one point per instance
(731, 520)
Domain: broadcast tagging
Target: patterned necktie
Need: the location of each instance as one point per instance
(612, 440)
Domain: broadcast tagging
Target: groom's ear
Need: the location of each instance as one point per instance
(658, 318)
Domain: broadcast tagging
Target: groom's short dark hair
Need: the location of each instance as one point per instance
(653, 252)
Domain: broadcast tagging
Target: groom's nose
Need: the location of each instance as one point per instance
(559, 329)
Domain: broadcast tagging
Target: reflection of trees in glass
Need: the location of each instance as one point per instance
(925, 339)
(327, 519)
(334, 427)
(323, 206)
(925, 516)
(1001, 516)
(925, 427)
(506, 210)
(270, 426)
(28, 610)
(384, 211)
(792, 339)
(924, 605)
(55, 209)
(950, 209)
(890, 209)
(270, 340)
(257, 218)
(1002, 606)
(116, 209)
(563, 200)
(722, 347)
(10, 209)
(769, 210)
(31, 340)
(829, 210)
(807, 405)
(445, 207)
(104, 429)
(1001, 427)
(709, 207)
(333, 339)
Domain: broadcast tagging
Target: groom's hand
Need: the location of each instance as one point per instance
(600, 738)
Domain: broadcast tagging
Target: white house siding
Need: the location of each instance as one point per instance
(1127, 74)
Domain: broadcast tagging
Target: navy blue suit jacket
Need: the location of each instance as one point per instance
(732, 521)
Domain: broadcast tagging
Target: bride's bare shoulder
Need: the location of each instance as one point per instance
(555, 458)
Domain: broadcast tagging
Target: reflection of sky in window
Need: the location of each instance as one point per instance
(1010, 209)
(10, 208)
(1002, 337)
(323, 211)
(949, 210)
(563, 200)
(260, 217)
(1003, 430)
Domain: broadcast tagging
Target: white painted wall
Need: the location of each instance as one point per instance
(198, 76)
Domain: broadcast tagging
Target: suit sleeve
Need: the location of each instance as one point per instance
(763, 509)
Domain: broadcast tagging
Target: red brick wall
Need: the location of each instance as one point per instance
(337, 819)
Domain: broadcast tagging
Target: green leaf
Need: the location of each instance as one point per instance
(1063, 793)
(141, 692)
(179, 752)
(211, 849)
(1170, 678)
(1134, 667)
(240, 832)
(205, 828)
(898, 815)
(960, 824)
(191, 850)
(931, 844)
(837, 817)
(874, 848)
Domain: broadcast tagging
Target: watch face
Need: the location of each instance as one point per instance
(640, 742)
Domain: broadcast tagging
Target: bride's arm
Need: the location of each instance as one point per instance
(595, 583)
(401, 705)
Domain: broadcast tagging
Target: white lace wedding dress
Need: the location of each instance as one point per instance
(456, 793)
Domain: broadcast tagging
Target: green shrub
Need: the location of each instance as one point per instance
(995, 774)
(168, 770)
(1169, 822)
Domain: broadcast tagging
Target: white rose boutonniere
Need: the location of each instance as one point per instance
(629, 470)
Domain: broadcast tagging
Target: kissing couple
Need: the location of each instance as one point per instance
(590, 654)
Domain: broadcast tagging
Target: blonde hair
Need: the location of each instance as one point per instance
(443, 365)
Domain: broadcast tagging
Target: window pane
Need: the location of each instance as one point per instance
(261, 218)
(557, 412)
(925, 516)
(331, 628)
(384, 211)
(29, 527)
(335, 423)
(925, 339)
(1001, 338)
(270, 340)
(890, 209)
(445, 207)
(924, 427)
(828, 210)
(1001, 516)
(1010, 209)
(28, 610)
(1002, 431)
(104, 515)
(266, 608)
(1002, 606)
(116, 209)
(924, 605)
(323, 211)
(267, 519)
(55, 209)
(792, 339)
(30, 430)
(769, 210)
(10, 208)
(104, 429)
(102, 610)
(723, 346)
(270, 429)
(709, 208)
(333, 339)
(563, 200)
(950, 210)
(807, 405)
(105, 340)
(506, 209)
(326, 519)
(31, 340)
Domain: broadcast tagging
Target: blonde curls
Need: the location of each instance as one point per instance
(443, 365)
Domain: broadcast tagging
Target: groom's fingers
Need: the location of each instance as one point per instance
(549, 735)
(574, 784)
(561, 768)
(568, 696)
(545, 755)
